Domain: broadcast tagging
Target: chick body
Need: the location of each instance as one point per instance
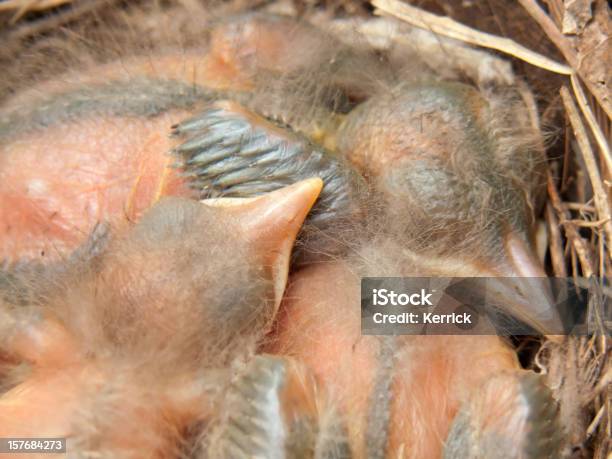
(458, 185)
(403, 394)
(92, 145)
(110, 326)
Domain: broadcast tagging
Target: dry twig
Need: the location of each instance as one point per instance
(452, 29)
(578, 243)
(595, 129)
(560, 41)
(600, 196)
(555, 244)
(31, 5)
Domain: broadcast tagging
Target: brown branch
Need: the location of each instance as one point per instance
(556, 245)
(447, 27)
(31, 5)
(577, 242)
(599, 195)
(590, 117)
(551, 30)
(587, 224)
(561, 42)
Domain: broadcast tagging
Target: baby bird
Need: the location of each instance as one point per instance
(93, 144)
(230, 151)
(460, 174)
(411, 396)
(191, 287)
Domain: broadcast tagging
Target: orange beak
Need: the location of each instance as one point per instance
(271, 223)
(523, 289)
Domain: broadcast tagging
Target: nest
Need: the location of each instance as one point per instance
(561, 48)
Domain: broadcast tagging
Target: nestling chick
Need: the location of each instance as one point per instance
(190, 288)
(93, 144)
(460, 176)
(232, 152)
(411, 396)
